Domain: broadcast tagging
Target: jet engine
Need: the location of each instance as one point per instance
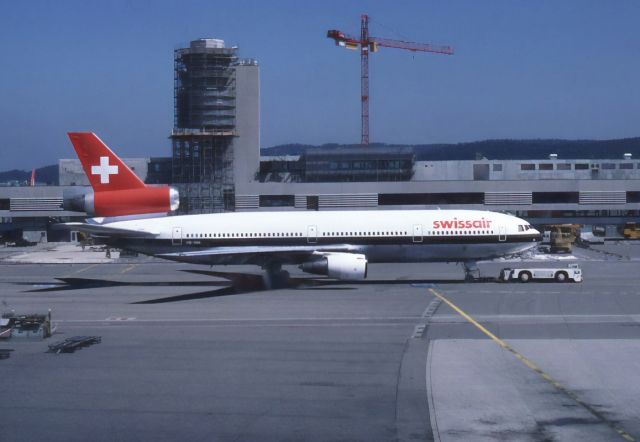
(126, 202)
(348, 266)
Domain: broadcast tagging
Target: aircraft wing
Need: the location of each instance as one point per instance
(284, 251)
(105, 230)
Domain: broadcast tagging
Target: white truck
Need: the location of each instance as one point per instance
(562, 274)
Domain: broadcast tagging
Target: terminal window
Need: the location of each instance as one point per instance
(555, 198)
(312, 202)
(582, 166)
(545, 166)
(480, 171)
(633, 197)
(400, 199)
(563, 166)
(608, 166)
(528, 166)
(497, 167)
(626, 165)
(277, 200)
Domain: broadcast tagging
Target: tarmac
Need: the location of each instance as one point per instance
(411, 353)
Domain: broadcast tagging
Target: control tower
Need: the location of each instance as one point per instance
(216, 132)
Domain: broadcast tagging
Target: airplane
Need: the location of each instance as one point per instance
(128, 214)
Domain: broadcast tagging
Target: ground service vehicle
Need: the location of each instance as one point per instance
(631, 231)
(562, 274)
(562, 237)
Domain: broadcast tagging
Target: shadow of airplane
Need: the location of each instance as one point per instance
(232, 284)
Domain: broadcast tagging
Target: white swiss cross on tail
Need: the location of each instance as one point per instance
(104, 170)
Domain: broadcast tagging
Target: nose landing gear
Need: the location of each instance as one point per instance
(471, 271)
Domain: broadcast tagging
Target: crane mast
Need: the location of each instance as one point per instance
(364, 78)
(368, 44)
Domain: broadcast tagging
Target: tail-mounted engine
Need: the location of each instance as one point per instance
(126, 202)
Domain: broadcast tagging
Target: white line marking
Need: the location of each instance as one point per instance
(432, 407)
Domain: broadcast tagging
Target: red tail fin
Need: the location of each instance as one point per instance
(103, 168)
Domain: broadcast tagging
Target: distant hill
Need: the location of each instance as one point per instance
(47, 175)
(496, 149)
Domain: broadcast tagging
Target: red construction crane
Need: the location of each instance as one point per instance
(370, 44)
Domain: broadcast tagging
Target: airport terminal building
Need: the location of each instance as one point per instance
(546, 191)
(215, 164)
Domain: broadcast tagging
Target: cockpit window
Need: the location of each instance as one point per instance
(521, 228)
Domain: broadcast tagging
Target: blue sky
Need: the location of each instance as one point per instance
(522, 69)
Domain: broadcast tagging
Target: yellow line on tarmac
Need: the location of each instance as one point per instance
(85, 269)
(626, 436)
(128, 269)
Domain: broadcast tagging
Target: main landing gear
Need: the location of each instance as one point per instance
(274, 277)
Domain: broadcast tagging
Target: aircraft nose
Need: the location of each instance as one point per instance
(538, 236)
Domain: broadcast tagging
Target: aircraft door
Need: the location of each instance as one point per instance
(312, 234)
(417, 233)
(502, 233)
(176, 236)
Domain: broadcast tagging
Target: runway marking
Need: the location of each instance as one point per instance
(626, 436)
(85, 269)
(431, 308)
(428, 385)
(128, 269)
(418, 331)
(420, 328)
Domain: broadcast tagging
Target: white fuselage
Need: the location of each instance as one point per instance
(288, 237)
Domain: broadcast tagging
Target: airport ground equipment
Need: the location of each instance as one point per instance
(592, 235)
(571, 273)
(5, 328)
(631, 231)
(561, 237)
(5, 353)
(72, 344)
(25, 326)
(367, 44)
